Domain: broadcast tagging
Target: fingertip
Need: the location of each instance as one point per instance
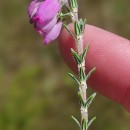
(110, 54)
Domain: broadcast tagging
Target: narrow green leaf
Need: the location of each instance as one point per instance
(77, 28)
(76, 3)
(76, 56)
(90, 73)
(81, 99)
(73, 3)
(85, 21)
(62, 15)
(82, 74)
(90, 99)
(74, 78)
(76, 121)
(85, 52)
(67, 28)
(91, 121)
(81, 24)
(84, 124)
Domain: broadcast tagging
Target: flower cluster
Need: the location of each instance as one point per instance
(44, 15)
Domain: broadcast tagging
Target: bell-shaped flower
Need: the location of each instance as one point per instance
(44, 15)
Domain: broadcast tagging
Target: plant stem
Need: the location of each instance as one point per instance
(82, 85)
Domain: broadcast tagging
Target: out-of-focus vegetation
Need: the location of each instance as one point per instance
(35, 91)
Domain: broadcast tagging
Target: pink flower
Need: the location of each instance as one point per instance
(44, 15)
(53, 34)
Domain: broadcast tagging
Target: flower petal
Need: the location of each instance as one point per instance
(46, 26)
(50, 24)
(53, 34)
(48, 9)
(32, 8)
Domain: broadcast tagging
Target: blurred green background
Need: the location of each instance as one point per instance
(36, 92)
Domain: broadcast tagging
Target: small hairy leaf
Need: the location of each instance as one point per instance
(85, 21)
(67, 28)
(90, 73)
(85, 52)
(90, 99)
(81, 24)
(74, 78)
(76, 56)
(76, 121)
(82, 74)
(91, 121)
(73, 3)
(77, 28)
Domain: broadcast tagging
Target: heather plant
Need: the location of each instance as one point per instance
(48, 16)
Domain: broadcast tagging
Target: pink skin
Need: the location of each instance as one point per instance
(110, 54)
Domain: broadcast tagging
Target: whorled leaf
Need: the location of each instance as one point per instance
(90, 73)
(67, 28)
(76, 56)
(73, 3)
(74, 78)
(90, 122)
(85, 52)
(77, 28)
(76, 121)
(82, 74)
(90, 99)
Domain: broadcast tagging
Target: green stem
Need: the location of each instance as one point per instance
(81, 66)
